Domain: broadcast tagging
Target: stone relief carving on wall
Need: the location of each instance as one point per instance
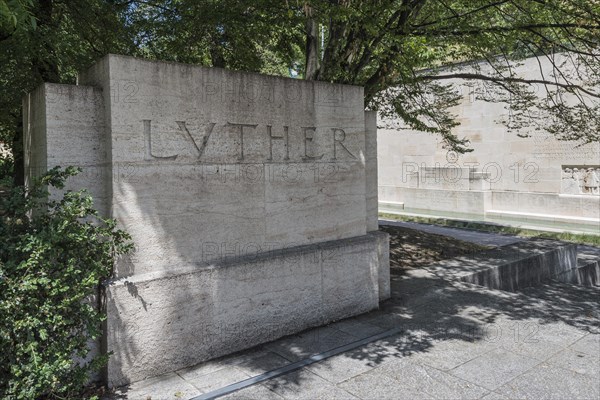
(580, 180)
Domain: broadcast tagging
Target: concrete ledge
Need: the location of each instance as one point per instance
(532, 217)
(437, 200)
(537, 224)
(161, 322)
(390, 206)
(546, 211)
(555, 204)
(586, 274)
(419, 212)
(511, 267)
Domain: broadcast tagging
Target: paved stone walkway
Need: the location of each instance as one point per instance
(457, 341)
(482, 238)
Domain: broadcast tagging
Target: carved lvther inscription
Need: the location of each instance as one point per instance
(338, 149)
(580, 180)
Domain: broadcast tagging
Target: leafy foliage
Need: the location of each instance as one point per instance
(408, 54)
(51, 264)
(260, 36)
(51, 41)
(14, 14)
(6, 166)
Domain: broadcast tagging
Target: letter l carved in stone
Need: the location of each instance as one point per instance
(148, 143)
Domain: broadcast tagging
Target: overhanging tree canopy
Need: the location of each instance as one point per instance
(404, 52)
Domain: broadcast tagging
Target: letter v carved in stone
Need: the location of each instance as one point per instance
(199, 149)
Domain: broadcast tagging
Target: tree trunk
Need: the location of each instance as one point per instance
(17, 151)
(45, 63)
(312, 46)
(217, 57)
(45, 67)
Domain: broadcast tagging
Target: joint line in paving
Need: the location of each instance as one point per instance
(294, 366)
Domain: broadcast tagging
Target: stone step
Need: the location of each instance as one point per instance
(587, 273)
(511, 267)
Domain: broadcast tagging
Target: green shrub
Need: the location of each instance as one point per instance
(51, 264)
(6, 168)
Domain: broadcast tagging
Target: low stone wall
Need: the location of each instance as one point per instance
(548, 210)
(560, 205)
(455, 201)
(512, 267)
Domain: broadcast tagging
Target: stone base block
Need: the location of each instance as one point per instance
(390, 206)
(161, 322)
(586, 274)
(512, 267)
(383, 254)
(454, 201)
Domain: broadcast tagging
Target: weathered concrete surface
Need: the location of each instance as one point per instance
(371, 170)
(224, 179)
(511, 267)
(383, 255)
(261, 152)
(64, 126)
(587, 272)
(162, 321)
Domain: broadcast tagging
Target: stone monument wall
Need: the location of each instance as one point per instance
(506, 177)
(251, 201)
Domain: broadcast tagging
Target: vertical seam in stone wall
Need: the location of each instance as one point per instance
(321, 311)
(107, 103)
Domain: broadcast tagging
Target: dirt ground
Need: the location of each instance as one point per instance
(410, 248)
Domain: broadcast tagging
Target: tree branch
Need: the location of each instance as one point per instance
(478, 31)
(457, 16)
(466, 75)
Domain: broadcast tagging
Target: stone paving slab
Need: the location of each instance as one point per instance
(376, 385)
(575, 361)
(494, 369)
(305, 344)
(350, 364)
(431, 381)
(357, 328)
(589, 344)
(446, 355)
(501, 360)
(169, 386)
(253, 393)
(539, 340)
(549, 382)
(306, 385)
